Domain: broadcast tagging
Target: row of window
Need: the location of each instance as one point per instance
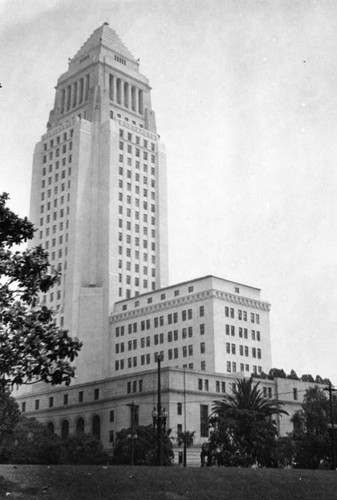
(203, 385)
(146, 144)
(159, 321)
(162, 297)
(243, 333)
(53, 229)
(145, 359)
(49, 182)
(232, 368)
(137, 177)
(61, 200)
(127, 225)
(51, 401)
(243, 350)
(62, 137)
(242, 315)
(157, 339)
(63, 162)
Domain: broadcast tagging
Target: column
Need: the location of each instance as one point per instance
(111, 87)
(68, 97)
(140, 103)
(136, 100)
(80, 92)
(115, 89)
(122, 92)
(133, 98)
(63, 96)
(129, 97)
(126, 95)
(74, 95)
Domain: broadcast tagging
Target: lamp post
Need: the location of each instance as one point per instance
(133, 436)
(159, 422)
(159, 417)
(332, 427)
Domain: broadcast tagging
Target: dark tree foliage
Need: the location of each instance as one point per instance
(311, 433)
(144, 446)
(31, 442)
(9, 417)
(83, 449)
(32, 347)
(186, 438)
(277, 372)
(243, 432)
(293, 375)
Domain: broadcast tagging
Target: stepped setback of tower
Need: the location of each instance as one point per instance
(98, 194)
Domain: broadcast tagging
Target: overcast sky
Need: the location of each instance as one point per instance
(245, 95)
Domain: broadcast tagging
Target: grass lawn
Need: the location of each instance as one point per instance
(27, 482)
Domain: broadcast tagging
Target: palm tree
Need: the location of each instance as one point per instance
(249, 398)
(243, 430)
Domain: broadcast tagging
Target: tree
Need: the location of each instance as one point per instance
(9, 417)
(33, 443)
(83, 449)
(144, 443)
(185, 439)
(307, 378)
(277, 372)
(293, 375)
(32, 347)
(311, 432)
(243, 430)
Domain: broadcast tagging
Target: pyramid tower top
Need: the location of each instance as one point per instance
(106, 37)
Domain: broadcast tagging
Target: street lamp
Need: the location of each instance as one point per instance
(159, 415)
(159, 422)
(133, 436)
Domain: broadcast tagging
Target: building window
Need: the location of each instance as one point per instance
(200, 384)
(80, 397)
(37, 404)
(295, 395)
(203, 365)
(23, 406)
(202, 329)
(202, 348)
(96, 394)
(201, 311)
(179, 408)
(65, 399)
(51, 402)
(203, 421)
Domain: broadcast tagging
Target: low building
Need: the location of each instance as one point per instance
(104, 407)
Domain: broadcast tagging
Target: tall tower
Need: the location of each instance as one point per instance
(98, 194)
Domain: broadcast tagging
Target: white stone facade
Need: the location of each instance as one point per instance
(207, 324)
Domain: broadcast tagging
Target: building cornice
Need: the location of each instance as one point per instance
(189, 299)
